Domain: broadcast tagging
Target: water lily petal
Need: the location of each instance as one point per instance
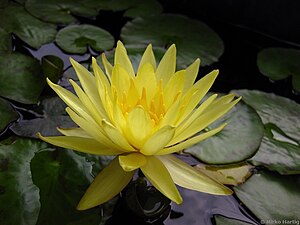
(122, 58)
(166, 67)
(116, 137)
(120, 80)
(203, 121)
(160, 178)
(108, 183)
(138, 126)
(191, 75)
(80, 144)
(148, 57)
(70, 99)
(196, 93)
(174, 88)
(186, 176)
(76, 132)
(132, 161)
(108, 67)
(191, 141)
(158, 140)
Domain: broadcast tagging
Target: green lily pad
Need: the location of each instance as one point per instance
(283, 112)
(135, 8)
(62, 11)
(278, 152)
(52, 67)
(280, 63)
(52, 115)
(76, 38)
(193, 38)
(5, 42)
(236, 142)
(62, 177)
(15, 19)
(281, 140)
(20, 78)
(19, 197)
(221, 220)
(7, 114)
(272, 197)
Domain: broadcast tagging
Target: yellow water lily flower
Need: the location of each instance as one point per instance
(141, 118)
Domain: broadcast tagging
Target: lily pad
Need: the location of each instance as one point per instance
(76, 38)
(62, 177)
(53, 115)
(193, 38)
(283, 112)
(238, 141)
(5, 42)
(7, 114)
(272, 197)
(233, 174)
(15, 19)
(19, 197)
(62, 11)
(135, 8)
(221, 220)
(52, 67)
(280, 63)
(20, 78)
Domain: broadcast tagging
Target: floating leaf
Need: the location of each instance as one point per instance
(20, 78)
(76, 38)
(283, 112)
(53, 116)
(62, 11)
(271, 197)
(52, 67)
(221, 220)
(7, 114)
(193, 38)
(236, 142)
(62, 177)
(229, 175)
(280, 63)
(5, 42)
(19, 197)
(281, 140)
(135, 8)
(15, 19)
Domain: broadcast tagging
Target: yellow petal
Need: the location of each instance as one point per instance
(100, 75)
(132, 161)
(174, 87)
(138, 127)
(120, 80)
(158, 140)
(191, 75)
(148, 57)
(160, 178)
(70, 99)
(109, 182)
(76, 132)
(203, 121)
(80, 144)
(88, 83)
(87, 103)
(188, 177)
(117, 137)
(122, 58)
(189, 142)
(108, 67)
(166, 67)
(196, 93)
